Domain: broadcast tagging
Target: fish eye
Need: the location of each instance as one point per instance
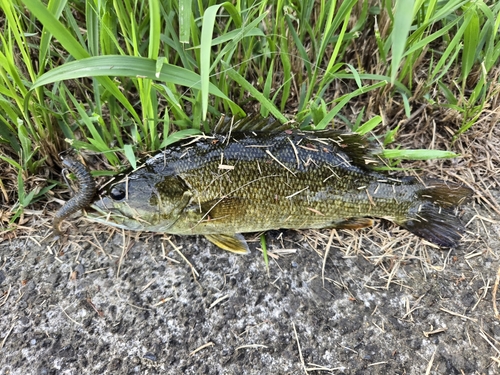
(117, 194)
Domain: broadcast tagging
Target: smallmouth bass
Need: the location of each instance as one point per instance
(223, 185)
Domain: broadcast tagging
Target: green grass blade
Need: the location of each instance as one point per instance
(126, 66)
(369, 125)
(12, 162)
(493, 49)
(418, 154)
(55, 7)
(205, 54)
(263, 245)
(56, 28)
(454, 46)
(403, 17)
(92, 23)
(345, 99)
(300, 47)
(61, 33)
(206, 46)
(154, 29)
(415, 46)
(238, 34)
(181, 134)
(240, 80)
(185, 14)
(8, 136)
(128, 150)
(471, 38)
(267, 88)
(333, 58)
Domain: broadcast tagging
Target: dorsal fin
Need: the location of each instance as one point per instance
(357, 147)
(251, 123)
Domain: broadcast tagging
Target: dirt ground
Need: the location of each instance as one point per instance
(375, 301)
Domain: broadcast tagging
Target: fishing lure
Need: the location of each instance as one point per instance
(83, 198)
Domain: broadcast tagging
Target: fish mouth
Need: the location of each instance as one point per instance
(103, 213)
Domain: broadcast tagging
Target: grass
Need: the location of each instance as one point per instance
(118, 79)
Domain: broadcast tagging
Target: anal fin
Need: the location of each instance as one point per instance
(233, 242)
(354, 223)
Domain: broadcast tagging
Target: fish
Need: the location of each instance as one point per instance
(247, 179)
(87, 189)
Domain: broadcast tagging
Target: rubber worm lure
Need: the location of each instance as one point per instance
(83, 198)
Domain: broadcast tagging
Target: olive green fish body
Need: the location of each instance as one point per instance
(250, 182)
(259, 184)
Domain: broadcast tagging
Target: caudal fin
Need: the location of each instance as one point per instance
(435, 224)
(433, 217)
(445, 194)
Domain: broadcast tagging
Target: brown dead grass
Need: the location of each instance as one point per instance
(429, 127)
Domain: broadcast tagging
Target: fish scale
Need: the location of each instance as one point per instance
(220, 186)
(274, 193)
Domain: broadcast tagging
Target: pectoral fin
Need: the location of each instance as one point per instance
(233, 242)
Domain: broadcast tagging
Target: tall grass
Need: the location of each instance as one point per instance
(122, 77)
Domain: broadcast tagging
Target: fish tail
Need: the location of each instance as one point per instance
(433, 216)
(446, 194)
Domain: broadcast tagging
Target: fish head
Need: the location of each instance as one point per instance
(142, 201)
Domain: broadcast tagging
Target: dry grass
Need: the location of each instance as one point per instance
(431, 127)
(388, 247)
(384, 245)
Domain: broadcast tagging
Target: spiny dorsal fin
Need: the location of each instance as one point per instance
(358, 148)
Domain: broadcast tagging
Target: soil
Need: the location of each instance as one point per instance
(121, 303)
